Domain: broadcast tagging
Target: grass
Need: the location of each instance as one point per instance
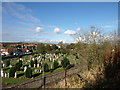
(12, 80)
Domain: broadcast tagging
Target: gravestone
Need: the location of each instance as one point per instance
(2, 74)
(5, 75)
(3, 65)
(8, 75)
(34, 65)
(38, 65)
(33, 58)
(10, 66)
(40, 70)
(15, 75)
(29, 65)
(25, 68)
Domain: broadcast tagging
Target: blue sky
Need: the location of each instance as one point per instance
(53, 22)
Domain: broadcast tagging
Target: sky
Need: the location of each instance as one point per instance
(52, 22)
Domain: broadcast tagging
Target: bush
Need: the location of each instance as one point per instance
(28, 72)
(65, 62)
(46, 67)
(55, 64)
(17, 66)
(32, 63)
(12, 72)
(20, 62)
(7, 63)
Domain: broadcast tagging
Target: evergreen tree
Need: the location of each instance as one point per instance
(32, 63)
(12, 72)
(46, 67)
(65, 62)
(28, 72)
(55, 64)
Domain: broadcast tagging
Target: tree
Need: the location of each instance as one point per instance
(17, 66)
(28, 72)
(46, 67)
(55, 64)
(7, 63)
(20, 62)
(32, 63)
(65, 62)
(12, 72)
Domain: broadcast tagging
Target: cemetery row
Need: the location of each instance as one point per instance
(28, 67)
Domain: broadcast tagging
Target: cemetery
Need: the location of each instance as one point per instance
(24, 68)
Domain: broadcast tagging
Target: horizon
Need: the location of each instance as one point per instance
(52, 22)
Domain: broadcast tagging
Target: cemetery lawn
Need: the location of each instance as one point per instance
(12, 80)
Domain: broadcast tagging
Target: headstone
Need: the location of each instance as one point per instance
(8, 75)
(25, 68)
(35, 70)
(29, 65)
(21, 59)
(33, 58)
(10, 66)
(38, 65)
(5, 75)
(40, 70)
(2, 74)
(3, 65)
(15, 75)
(34, 65)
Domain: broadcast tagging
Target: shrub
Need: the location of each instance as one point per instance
(28, 72)
(7, 63)
(46, 67)
(32, 63)
(12, 72)
(17, 66)
(65, 62)
(20, 62)
(55, 64)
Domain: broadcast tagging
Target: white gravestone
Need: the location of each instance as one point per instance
(2, 74)
(33, 58)
(3, 65)
(34, 65)
(40, 71)
(10, 66)
(5, 75)
(29, 65)
(25, 68)
(38, 65)
(15, 75)
(8, 75)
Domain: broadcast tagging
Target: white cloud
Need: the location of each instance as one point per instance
(70, 32)
(38, 29)
(78, 29)
(56, 30)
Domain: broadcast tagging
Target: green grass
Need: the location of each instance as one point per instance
(12, 80)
